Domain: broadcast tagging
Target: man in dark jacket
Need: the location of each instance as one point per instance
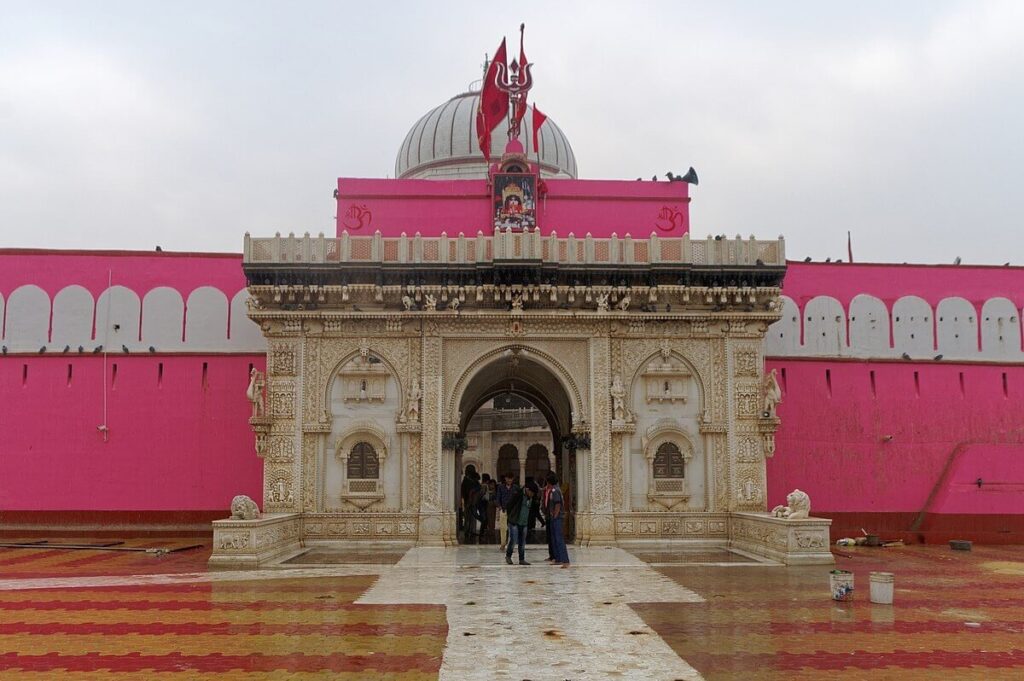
(470, 493)
(518, 516)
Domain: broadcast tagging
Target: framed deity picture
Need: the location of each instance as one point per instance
(515, 201)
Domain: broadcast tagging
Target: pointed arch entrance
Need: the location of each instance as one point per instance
(532, 393)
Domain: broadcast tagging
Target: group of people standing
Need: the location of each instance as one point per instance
(513, 510)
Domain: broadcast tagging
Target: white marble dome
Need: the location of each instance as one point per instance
(442, 145)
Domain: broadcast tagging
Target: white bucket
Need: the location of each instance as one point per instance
(882, 587)
(841, 584)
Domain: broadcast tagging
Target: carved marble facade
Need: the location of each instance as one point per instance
(681, 368)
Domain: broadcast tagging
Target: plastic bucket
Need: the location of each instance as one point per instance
(882, 587)
(841, 584)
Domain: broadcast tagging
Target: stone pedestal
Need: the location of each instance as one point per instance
(792, 542)
(250, 544)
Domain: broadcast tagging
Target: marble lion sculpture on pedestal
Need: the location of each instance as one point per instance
(798, 506)
(244, 508)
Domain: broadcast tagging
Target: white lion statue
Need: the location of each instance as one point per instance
(799, 506)
(244, 508)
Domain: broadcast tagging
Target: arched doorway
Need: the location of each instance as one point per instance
(508, 462)
(515, 409)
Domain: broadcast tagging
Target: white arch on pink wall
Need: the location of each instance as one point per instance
(73, 310)
(163, 319)
(783, 337)
(1000, 329)
(824, 327)
(913, 327)
(118, 316)
(957, 328)
(27, 326)
(245, 333)
(206, 320)
(869, 327)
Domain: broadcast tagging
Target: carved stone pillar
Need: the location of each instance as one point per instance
(583, 486)
(432, 521)
(602, 473)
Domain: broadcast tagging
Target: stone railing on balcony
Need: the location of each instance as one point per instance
(513, 246)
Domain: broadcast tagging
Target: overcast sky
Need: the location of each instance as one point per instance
(185, 124)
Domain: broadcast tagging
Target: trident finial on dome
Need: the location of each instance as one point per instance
(516, 80)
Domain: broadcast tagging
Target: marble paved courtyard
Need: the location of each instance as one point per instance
(463, 614)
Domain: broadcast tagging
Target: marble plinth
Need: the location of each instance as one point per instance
(792, 542)
(250, 544)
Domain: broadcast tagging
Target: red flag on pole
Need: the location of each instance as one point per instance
(538, 120)
(493, 106)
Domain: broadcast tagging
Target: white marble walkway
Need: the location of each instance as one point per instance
(540, 622)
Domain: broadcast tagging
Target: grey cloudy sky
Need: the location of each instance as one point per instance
(185, 124)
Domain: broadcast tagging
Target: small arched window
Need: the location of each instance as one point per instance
(363, 463)
(669, 462)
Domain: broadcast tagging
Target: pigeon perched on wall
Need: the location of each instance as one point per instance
(124, 348)
(905, 356)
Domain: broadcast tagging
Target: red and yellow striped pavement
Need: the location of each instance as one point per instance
(288, 628)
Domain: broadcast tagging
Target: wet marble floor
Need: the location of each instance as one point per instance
(463, 614)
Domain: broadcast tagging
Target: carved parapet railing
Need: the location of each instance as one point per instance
(250, 544)
(792, 542)
(513, 246)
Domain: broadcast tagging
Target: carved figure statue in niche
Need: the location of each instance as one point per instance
(244, 508)
(255, 392)
(799, 506)
(602, 302)
(454, 305)
(430, 303)
(407, 303)
(414, 400)
(618, 392)
(362, 390)
(517, 301)
(623, 304)
(278, 495)
(772, 394)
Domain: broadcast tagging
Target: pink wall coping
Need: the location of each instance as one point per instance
(891, 281)
(141, 271)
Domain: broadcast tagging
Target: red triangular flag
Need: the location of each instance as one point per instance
(493, 106)
(538, 120)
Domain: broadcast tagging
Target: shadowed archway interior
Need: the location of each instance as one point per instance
(515, 373)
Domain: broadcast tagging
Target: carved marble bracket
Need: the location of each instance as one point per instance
(767, 427)
(623, 427)
(261, 428)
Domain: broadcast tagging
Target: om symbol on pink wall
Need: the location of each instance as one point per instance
(357, 217)
(669, 218)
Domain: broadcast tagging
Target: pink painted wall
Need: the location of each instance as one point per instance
(1002, 485)
(832, 442)
(175, 443)
(600, 207)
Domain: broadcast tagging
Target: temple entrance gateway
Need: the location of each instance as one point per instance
(380, 356)
(516, 413)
